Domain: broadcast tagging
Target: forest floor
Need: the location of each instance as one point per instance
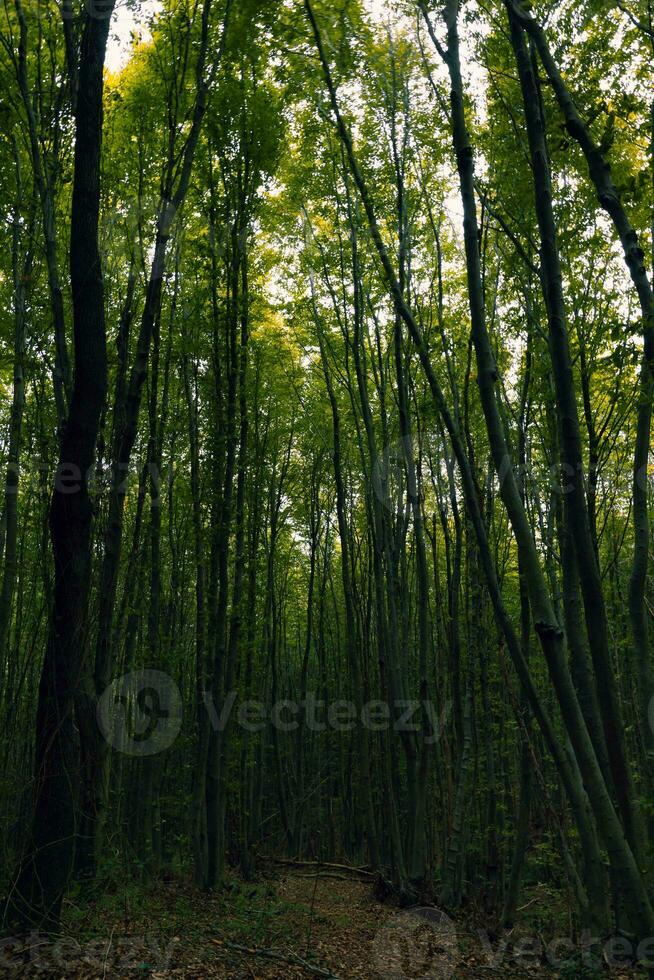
(294, 924)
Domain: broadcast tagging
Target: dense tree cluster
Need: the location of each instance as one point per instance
(327, 340)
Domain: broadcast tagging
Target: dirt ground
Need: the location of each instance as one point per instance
(296, 924)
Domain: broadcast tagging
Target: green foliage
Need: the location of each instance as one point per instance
(292, 480)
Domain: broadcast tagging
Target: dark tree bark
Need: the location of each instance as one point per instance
(96, 759)
(46, 868)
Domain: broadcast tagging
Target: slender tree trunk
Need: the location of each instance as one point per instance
(363, 748)
(21, 274)
(61, 373)
(547, 627)
(571, 453)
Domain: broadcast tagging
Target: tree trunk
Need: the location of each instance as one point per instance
(46, 869)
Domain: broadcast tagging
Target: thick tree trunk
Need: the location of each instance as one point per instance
(47, 867)
(96, 761)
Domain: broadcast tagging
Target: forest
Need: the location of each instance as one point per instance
(326, 389)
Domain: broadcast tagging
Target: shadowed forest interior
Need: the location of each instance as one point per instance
(326, 374)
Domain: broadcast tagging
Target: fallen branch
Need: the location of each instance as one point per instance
(325, 874)
(324, 864)
(270, 954)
